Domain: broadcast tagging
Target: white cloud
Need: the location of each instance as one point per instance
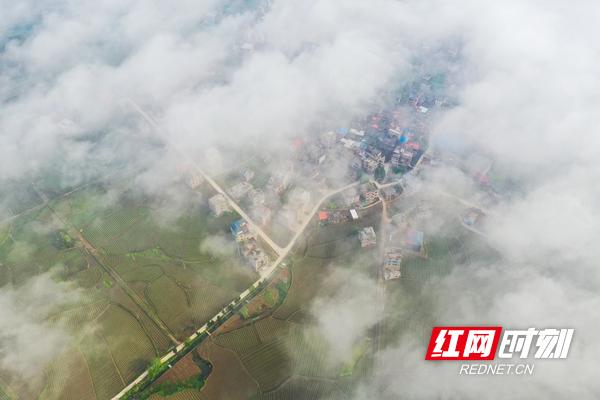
(28, 341)
(345, 316)
(528, 96)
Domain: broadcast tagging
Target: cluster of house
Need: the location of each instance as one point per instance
(296, 208)
(367, 237)
(190, 176)
(278, 202)
(403, 240)
(317, 156)
(353, 200)
(472, 218)
(247, 245)
(218, 204)
(315, 151)
(330, 217)
(410, 242)
(368, 158)
(244, 237)
(392, 263)
(405, 155)
(393, 137)
(262, 203)
(390, 139)
(255, 199)
(363, 196)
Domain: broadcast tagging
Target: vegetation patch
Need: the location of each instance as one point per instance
(62, 240)
(358, 351)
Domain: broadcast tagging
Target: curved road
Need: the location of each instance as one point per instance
(265, 274)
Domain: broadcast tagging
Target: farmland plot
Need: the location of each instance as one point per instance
(105, 376)
(69, 378)
(268, 364)
(305, 389)
(128, 343)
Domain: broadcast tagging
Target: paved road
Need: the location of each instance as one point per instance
(251, 224)
(285, 251)
(265, 274)
(461, 200)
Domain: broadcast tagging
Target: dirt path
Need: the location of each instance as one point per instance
(91, 250)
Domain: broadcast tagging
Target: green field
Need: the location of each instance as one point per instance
(142, 278)
(283, 352)
(287, 355)
(306, 389)
(4, 395)
(112, 339)
(163, 263)
(411, 300)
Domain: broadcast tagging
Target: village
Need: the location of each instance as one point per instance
(381, 148)
(380, 152)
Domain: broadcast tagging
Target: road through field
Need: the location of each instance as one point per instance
(93, 252)
(251, 224)
(266, 274)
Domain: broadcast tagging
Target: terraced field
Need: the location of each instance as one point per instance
(439, 261)
(4, 395)
(305, 389)
(274, 356)
(242, 340)
(269, 364)
(185, 369)
(171, 310)
(303, 286)
(111, 339)
(205, 300)
(164, 264)
(88, 277)
(270, 328)
(229, 378)
(77, 317)
(189, 394)
(69, 378)
(127, 341)
(283, 353)
(309, 353)
(105, 375)
(27, 249)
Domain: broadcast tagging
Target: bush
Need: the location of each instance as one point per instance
(244, 312)
(62, 240)
(156, 368)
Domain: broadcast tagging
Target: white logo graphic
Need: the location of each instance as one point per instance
(550, 343)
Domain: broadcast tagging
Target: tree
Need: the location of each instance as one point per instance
(62, 240)
(155, 368)
(244, 312)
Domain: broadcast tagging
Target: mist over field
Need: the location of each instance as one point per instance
(24, 310)
(219, 75)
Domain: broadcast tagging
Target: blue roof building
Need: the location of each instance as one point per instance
(413, 240)
(237, 227)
